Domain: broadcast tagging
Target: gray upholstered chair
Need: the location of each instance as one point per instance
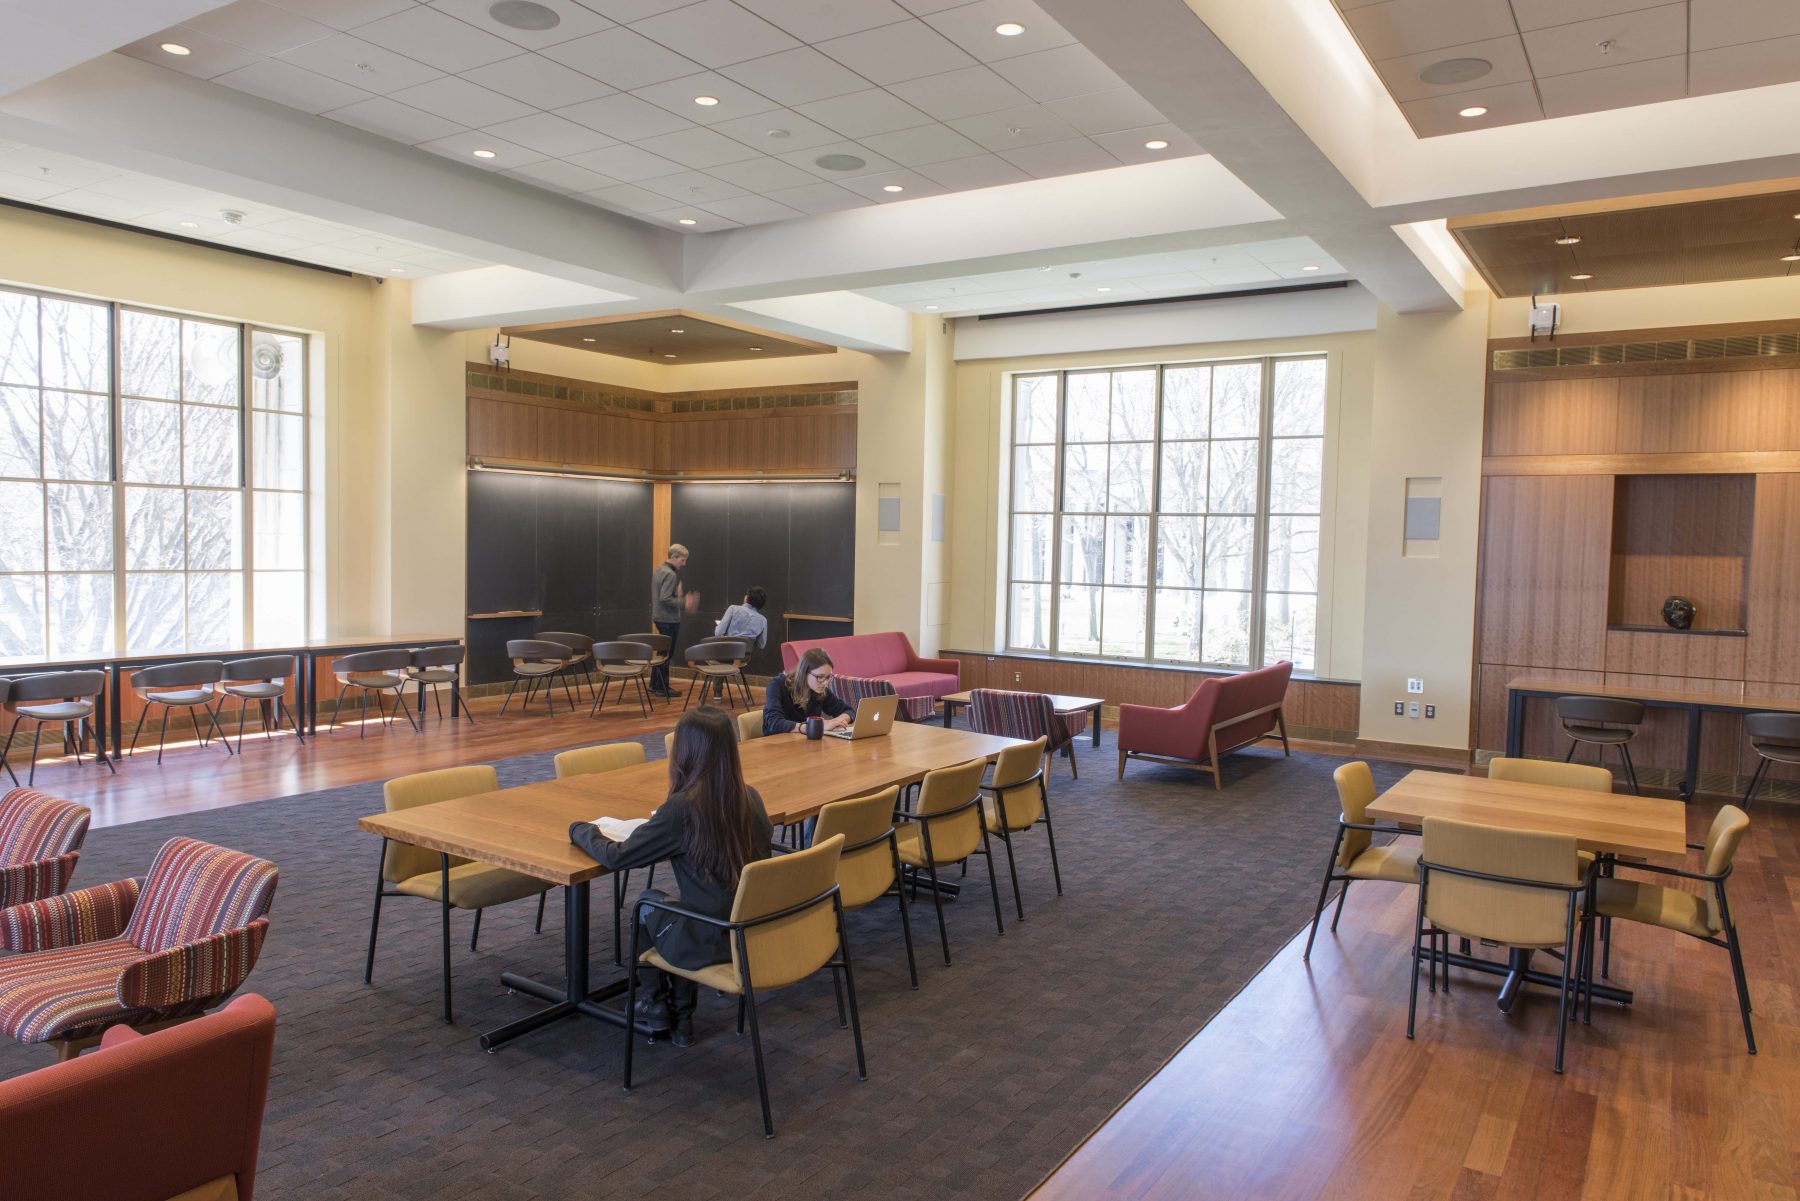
(263, 679)
(376, 672)
(60, 698)
(431, 668)
(624, 662)
(535, 660)
(191, 685)
(1775, 737)
(718, 664)
(661, 646)
(1596, 721)
(581, 658)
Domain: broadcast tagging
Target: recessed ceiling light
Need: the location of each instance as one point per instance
(1156, 144)
(1790, 258)
(587, 339)
(1009, 29)
(1474, 110)
(1310, 267)
(396, 270)
(686, 221)
(931, 306)
(483, 153)
(1102, 289)
(1567, 240)
(752, 348)
(524, 14)
(190, 225)
(892, 187)
(1581, 277)
(678, 331)
(668, 356)
(706, 101)
(176, 48)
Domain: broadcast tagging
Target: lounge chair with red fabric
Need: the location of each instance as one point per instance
(40, 842)
(1225, 713)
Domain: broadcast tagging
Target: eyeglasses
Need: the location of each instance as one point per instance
(819, 677)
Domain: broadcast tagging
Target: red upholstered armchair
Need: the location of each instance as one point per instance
(1225, 713)
(118, 955)
(1026, 716)
(40, 840)
(175, 1114)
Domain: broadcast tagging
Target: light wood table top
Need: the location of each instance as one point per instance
(526, 829)
(1602, 822)
(1058, 702)
(1665, 696)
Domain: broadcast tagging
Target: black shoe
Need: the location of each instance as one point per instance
(683, 1034)
(653, 1011)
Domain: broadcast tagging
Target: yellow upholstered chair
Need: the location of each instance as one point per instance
(946, 826)
(1705, 916)
(750, 725)
(787, 922)
(1017, 800)
(1548, 771)
(870, 864)
(669, 745)
(592, 760)
(1353, 857)
(452, 882)
(1514, 888)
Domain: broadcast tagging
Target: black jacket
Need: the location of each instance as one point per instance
(684, 944)
(781, 714)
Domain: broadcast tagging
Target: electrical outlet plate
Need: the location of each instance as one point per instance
(1412, 710)
(1430, 710)
(1399, 708)
(1414, 684)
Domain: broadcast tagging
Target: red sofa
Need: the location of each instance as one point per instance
(175, 1114)
(888, 656)
(1225, 713)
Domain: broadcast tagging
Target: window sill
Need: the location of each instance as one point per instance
(1189, 669)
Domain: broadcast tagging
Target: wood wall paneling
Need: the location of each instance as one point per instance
(1681, 535)
(1672, 653)
(1772, 650)
(1543, 585)
(1697, 412)
(1543, 733)
(1553, 417)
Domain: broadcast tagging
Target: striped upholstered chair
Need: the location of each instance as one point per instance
(40, 840)
(131, 954)
(1027, 716)
(851, 689)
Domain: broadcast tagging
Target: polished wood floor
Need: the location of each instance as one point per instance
(1305, 1085)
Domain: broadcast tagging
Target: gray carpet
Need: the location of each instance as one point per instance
(979, 1082)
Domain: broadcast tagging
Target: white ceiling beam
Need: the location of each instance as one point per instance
(45, 37)
(483, 297)
(843, 319)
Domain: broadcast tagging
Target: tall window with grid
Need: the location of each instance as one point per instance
(1176, 508)
(125, 496)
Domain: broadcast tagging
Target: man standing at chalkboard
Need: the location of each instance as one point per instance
(667, 603)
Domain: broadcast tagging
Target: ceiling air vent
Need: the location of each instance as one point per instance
(1742, 346)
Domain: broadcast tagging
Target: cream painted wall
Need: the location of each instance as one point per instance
(977, 444)
(1656, 308)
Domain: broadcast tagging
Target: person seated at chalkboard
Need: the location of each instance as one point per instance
(746, 620)
(711, 825)
(802, 693)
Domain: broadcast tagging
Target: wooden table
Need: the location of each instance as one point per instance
(1605, 823)
(1694, 703)
(1061, 704)
(526, 829)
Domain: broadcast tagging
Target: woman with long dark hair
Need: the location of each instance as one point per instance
(711, 825)
(802, 693)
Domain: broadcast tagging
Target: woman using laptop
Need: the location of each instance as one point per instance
(710, 827)
(802, 693)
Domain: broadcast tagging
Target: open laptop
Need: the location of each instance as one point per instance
(874, 717)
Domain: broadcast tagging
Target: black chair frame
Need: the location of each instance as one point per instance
(345, 683)
(1005, 834)
(69, 742)
(892, 838)
(150, 698)
(1333, 876)
(270, 709)
(911, 873)
(641, 679)
(720, 684)
(428, 657)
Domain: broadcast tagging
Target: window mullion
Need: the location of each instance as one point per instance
(115, 400)
(1054, 640)
(1259, 541)
(1153, 527)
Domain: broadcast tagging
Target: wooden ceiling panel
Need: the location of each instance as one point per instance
(672, 338)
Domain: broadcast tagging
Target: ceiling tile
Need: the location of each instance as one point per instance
(862, 113)
(391, 119)
(1397, 28)
(734, 99)
(627, 198)
(211, 56)
(698, 148)
(797, 76)
(627, 11)
(963, 93)
(624, 59)
(344, 14)
(160, 193)
(561, 177)
(1015, 127)
(1733, 22)
(753, 210)
(1127, 145)
(1536, 14)
(463, 102)
(819, 198)
(550, 134)
(1053, 74)
(1506, 105)
(778, 130)
(538, 81)
(762, 174)
(694, 220)
(380, 246)
(1608, 41)
(817, 20)
(971, 26)
(1401, 75)
(197, 225)
(362, 64)
(626, 163)
(924, 7)
(256, 239)
(21, 187)
(1615, 87)
(462, 146)
(692, 187)
(807, 160)
(437, 260)
(436, 38)
(63, 170)
(257, 26)
(896, 52)
(874, 187)
(625, 117)
(1060, 158)
(976, 171)
(715, 33)
(284, 83)
(573, 22)
(1752, 65)
(1105, 112)
(308, 230)
(926, 144)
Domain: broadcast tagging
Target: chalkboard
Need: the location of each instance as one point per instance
(796, 540)
(577, 549)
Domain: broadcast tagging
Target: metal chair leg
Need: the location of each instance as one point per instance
(862, 1067)
(762, 1076)
(220, 730)
(475, 934)
(375, 918)
(539, 927)
(444, 883)
(509, 695)
(1339, 912)
(1755, 779)
(162, 736)
(1631, 772)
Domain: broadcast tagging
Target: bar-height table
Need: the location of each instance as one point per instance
(1605, 823)
(526, 829)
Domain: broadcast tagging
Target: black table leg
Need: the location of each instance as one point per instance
(309, 704)
(1515, 723)
(1518, 963)
(1518, 972)
(574, 998)
(1094, 734)
(1690, 784)
(117, 724)
(949, 714)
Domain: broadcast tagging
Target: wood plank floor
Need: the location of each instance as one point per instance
(1305, 1085)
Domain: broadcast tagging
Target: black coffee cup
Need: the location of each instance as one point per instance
(815, 727)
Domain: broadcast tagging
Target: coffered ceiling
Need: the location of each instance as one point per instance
(1527, 60)
(670, 338)
(816, 105)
